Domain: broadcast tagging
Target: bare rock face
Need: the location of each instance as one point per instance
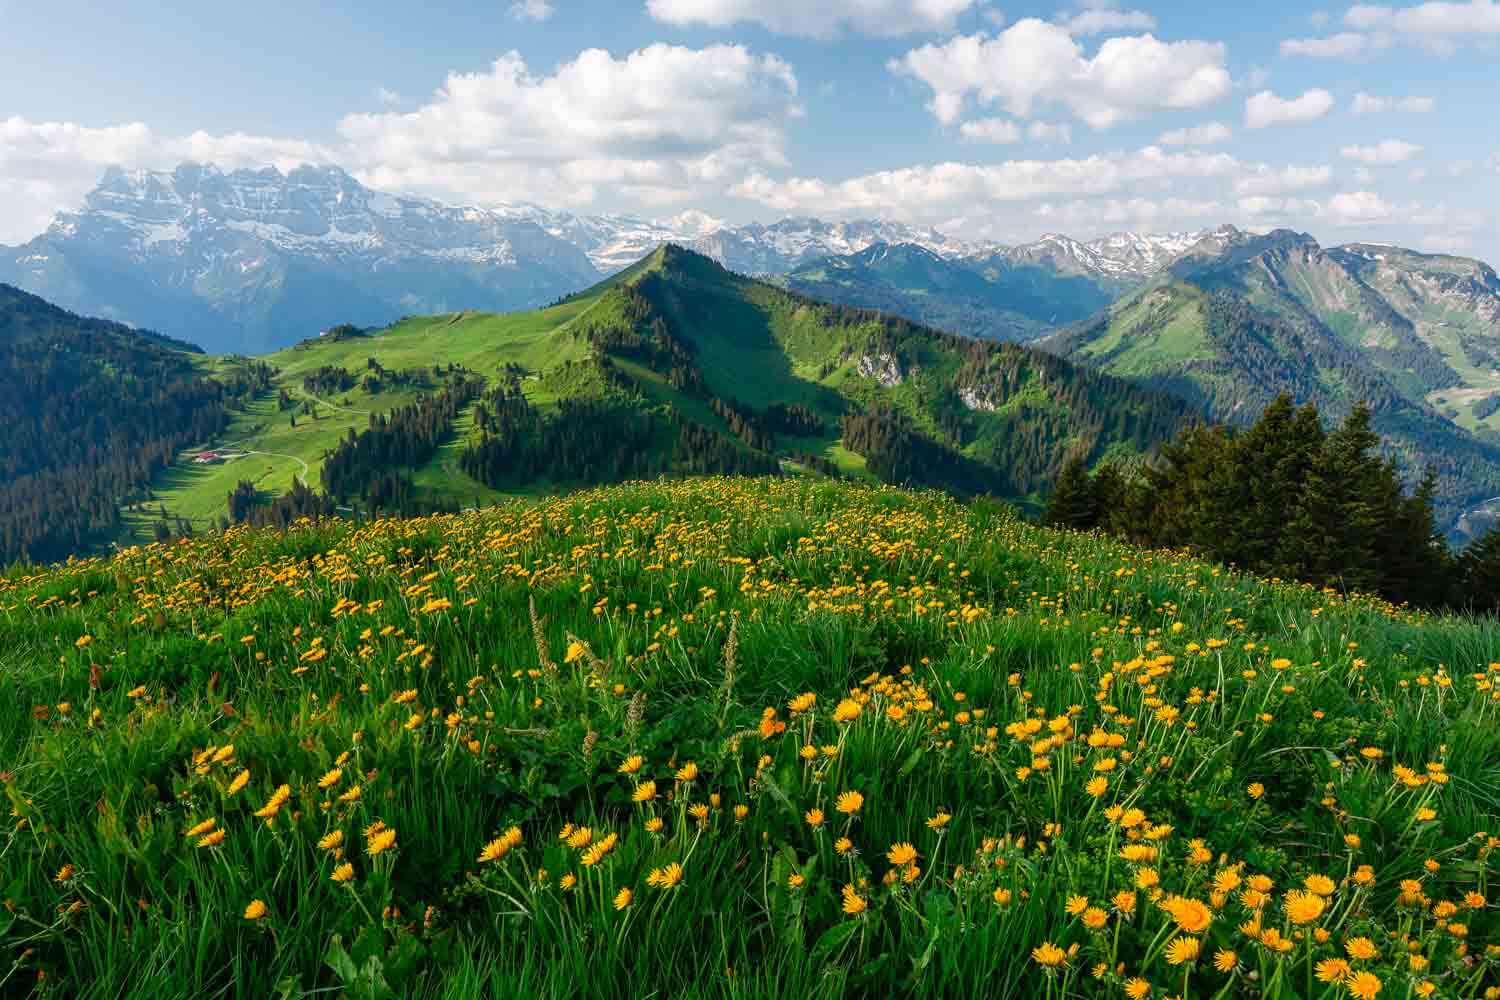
(977, 398)
(883, 368)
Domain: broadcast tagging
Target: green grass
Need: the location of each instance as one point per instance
(763, 647)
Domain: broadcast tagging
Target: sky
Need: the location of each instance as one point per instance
(987, 119)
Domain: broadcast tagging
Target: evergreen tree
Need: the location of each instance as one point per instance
(1479, 573)
(1071, 504)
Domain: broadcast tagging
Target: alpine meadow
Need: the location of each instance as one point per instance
(750, 499)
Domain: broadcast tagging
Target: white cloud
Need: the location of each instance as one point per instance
(46, 166)
(1383, 153)
(1265, 181)
(927, 192)
(816, 18)
(1438, 19)
(1265, 108)
(1368, 104)
(1352, 208)
(997, 130)
(1132, 212)
(1493, 162)
(1035, 63)
(1101, 16)
(1344, 45)
(532, 10)
(1265, 207)
(656, 124)
(1199, 135)
(1049, 132)
(388, 97)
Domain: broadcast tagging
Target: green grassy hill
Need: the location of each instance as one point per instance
(735, 738)
(702, 371)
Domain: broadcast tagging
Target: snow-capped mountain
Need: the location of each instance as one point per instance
(251, 260)
(1119, 257)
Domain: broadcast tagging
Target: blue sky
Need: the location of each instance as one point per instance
(992, 120)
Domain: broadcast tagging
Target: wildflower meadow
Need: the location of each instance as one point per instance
(736, 738)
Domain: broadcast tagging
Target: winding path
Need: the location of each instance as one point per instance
(332, 406)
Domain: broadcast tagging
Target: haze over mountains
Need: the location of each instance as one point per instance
(252, 260)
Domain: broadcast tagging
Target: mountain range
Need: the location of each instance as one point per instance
(252, 260)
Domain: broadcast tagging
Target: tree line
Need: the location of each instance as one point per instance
(1290, 499)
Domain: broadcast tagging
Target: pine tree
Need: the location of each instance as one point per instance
(1071, 504)
(1479, 573)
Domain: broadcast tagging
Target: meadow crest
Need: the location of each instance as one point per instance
(735, 738)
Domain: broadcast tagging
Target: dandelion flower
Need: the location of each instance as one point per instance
(1332, 970)
(849, 803)
(847, 711)
(1304, 907)
(1320, 884)
(1225, 960)
(1256, 790)
(632, 764)
(1137, 988)
(1361, 948)
(814, 818)
(343, 873)
(901, 854)
(494, 850)
(240, 781)
(687, 772)
(623, 898)
(256, 910)
(201, 828)
(332, 840)
(1183, 950)
(666, 878)
(1363, 985)
(644, 792)
(1049, 955)
(854, 903)
(213, 839)
(331, 778)
(939, 821)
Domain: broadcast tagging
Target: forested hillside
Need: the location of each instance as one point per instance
(90, 411)
(1214, 343)
(674, 367)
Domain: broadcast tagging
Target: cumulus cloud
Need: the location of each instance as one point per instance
(1100, 16)
(1344, 45)
(818, 19)
(1265, 108)
(1383, 153)
(1035, 63)
(1437, 19)
(1129, 212)
(997, 130)
(1368, 104)
(532, 10)
(1199, 135)
(1264, 181)
(1049, 132)
(1352, 208)
(929, 191)
(655, 124)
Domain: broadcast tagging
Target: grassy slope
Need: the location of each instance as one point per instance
(481, 341)
(753, 342)
(997, 670)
